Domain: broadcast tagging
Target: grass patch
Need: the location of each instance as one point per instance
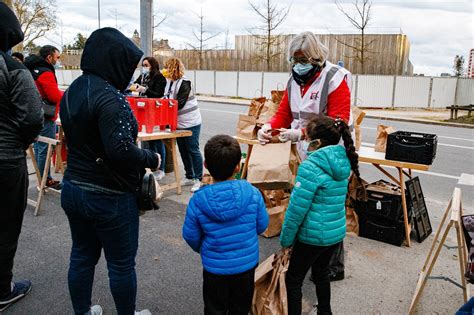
(463, 120)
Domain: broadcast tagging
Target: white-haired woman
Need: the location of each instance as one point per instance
(316, 87)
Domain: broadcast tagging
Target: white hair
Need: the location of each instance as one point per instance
(310, 45)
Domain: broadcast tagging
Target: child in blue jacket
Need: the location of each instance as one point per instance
(315, 221)
(222, 223)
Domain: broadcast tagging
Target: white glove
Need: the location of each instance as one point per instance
(264, 135)
(159, 191)
(293, 135)
(141, 89)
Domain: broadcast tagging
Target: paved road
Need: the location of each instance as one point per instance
(380, 278)
(455, 153)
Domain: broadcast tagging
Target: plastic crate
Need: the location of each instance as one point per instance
(155, 112)
(380, 229)
(412, 147)
(416, 200)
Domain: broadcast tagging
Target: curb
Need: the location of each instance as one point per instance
(426, 122)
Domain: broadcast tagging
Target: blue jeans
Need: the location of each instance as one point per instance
(98, 220)
(41, 148)
(158, 146)
(190, 153)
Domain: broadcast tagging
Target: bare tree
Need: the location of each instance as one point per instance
(360, 19)
(271, 17)
(36, 17)
(201, 37)
(458, 66)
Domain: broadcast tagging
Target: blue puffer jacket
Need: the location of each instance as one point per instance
(316, 214)
(222, 223)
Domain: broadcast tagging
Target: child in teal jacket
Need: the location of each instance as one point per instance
(315, 221)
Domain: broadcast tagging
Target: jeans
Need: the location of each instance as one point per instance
(98, 220)
(229, 294)
(41, 148)
(13, 194)
(158, 146)
(190, 153)
(304, 257)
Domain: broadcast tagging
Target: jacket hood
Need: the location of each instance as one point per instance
(10, 30)
(224, 201)
(111, 56)
(333, 161)
(35, 61)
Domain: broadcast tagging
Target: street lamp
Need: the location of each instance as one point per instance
(98, 11)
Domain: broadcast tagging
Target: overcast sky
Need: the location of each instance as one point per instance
(437, 30)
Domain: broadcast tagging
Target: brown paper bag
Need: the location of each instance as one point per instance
(269, 296)
(256, 106)
(269, 109)
(357, 116)
(356, 192)
(246, 127)
(276, 215)
(277, 96)
(272, 166)
(382, 135)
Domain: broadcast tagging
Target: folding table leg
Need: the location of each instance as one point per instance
(176, 166)
(246, 163)
(404, 205)
(43, 180)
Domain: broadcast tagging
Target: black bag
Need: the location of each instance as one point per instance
(49, 109)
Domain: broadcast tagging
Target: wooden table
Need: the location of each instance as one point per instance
(172, 136)
(377, 159)
(42, 188)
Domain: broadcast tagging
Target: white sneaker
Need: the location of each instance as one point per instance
(196, 185)
(143, 312)
(187, 182)
(159, 174)
(96, 310)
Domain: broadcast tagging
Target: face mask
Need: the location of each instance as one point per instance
(57, 65)
(314, 146)
(302, 68)
(9, 52)
(145, 70)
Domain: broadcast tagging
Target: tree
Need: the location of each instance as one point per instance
(360, 19)
(458, 66)
(80, 42)
(36, 18)
(271, 17)
(201, 38)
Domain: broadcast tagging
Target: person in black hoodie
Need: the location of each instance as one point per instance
(21, 119)
(101, 132)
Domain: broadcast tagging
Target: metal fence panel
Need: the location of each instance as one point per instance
(250, 84)
(443, 92)
(204, 82)
(412, 92)
(374, 91)
(274, 81)
(226, 83)
(67, 77)
(465, 91)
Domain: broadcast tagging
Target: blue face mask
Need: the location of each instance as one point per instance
(57, 65)
(309, 146)
(302, 68)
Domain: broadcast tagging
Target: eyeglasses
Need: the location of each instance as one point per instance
(294, 60)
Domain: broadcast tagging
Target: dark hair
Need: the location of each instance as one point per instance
(47, 50)
(222, 154)
(154, 66)
(329, 132)
(19, 56)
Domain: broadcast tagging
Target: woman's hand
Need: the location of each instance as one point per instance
(293, 135)
(141, 89)
(264, 135)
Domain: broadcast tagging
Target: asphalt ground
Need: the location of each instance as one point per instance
(380, 278)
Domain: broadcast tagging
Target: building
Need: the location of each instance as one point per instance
(470, 65)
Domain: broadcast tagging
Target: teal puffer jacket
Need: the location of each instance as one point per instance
(316, 214)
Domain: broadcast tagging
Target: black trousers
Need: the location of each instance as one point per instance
(304, 257)
(13, 194)
(230, 294)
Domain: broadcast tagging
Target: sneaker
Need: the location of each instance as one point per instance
(19, 290)
(159, 174)
(143, 312)
(187, 182)
(196, 185)
(95, 310)
(54, 184)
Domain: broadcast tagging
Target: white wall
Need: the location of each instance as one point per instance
(372, 90)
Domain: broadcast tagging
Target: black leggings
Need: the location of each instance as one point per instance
(304, 257)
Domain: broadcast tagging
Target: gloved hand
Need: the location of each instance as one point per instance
(264, 135)
(159, 160)
(141, 89)
(293, 135)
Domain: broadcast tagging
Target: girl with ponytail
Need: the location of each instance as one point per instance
(315, 221)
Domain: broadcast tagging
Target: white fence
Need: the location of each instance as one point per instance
(367, 90)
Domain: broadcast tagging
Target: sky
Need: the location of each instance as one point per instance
(437, 30)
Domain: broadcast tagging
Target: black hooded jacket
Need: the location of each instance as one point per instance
(97, 118)
(21, 114)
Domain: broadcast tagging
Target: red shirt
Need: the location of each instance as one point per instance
(49, 90)
(339, 105)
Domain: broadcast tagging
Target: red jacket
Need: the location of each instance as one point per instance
(339, 105)
(49, 90)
